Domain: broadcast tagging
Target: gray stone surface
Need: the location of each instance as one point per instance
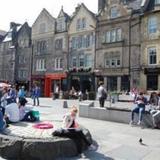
(113, 114)
(112, 138)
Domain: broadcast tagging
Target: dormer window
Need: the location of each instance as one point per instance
(114, 12)
(157, 2)
(61, 26)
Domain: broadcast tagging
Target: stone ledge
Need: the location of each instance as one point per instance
(16, 147)
(120, 115)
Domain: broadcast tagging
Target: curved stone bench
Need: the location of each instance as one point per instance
(14, 146)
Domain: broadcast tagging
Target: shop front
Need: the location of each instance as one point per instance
(52, 81)
(152, 78)
(82, 81)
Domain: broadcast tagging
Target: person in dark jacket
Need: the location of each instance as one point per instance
(141, 102)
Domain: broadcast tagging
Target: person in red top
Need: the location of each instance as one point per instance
(141, 102)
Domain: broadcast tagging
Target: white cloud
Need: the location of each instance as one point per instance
(28, 10)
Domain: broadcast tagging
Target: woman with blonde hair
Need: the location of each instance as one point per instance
(71, 129)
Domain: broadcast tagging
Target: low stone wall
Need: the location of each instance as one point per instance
(87, 110)
(13, 146)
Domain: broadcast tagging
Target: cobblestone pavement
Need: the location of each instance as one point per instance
(115, 141)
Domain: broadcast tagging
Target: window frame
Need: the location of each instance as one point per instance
(151, 57)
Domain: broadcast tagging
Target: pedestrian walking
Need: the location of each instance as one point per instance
(102, 94)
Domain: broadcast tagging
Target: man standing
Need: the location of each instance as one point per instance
(102, 94)
(141, 102)
(36, 95)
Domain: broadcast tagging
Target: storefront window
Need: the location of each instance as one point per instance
(152, 82)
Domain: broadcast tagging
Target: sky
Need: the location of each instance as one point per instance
(20, 11)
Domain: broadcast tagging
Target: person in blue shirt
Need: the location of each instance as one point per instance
(35, 95)
(21, 93)
(2, 122)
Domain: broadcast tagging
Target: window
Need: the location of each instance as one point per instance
(59, 44)
(73, 42)
(157, 2)
(113, 36)
(22, 60)
(114, 12)
(108, 37)
(74, 62)
(81, 61)
(22, 74)
(152, 82)
(58, 64)
(152, 25)
(78, 24)
(107, 62)
(88, 61)
(40, 65)
(152, 56)
(60, 25)
(119, 34)
(88, 41)
(79, 41)
(42, 28)
(83, 23)
(118, 62)
(41, 47)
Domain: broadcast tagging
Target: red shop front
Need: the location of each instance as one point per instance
(51, 80)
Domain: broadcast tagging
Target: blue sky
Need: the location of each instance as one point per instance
(28, 10)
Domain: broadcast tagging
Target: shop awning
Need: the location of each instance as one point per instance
(56, 76)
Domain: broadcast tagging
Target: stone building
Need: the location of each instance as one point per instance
(15, 46)
(82, 49)
(50, 51)
(150, 46)
(57, 74)
(23, 56)
(118, 44)
(43, 33)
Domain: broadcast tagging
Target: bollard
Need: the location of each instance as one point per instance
(65, 104)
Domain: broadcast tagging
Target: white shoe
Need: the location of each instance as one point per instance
(139, 123)
(131, 123)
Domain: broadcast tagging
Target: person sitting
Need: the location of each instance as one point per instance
(11, 111)
(71, 129)
(23, 114)
(153, 101)
(155, 112)
(2, 122)
(141, 102)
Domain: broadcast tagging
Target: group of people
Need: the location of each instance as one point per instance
(13, 106)
(154, 108)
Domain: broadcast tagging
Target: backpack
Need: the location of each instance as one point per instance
(104, 94)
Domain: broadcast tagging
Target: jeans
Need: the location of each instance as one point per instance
(34, 101)
(29, 117)
(2, 109)
(101, 101)
(140, 109)
(75, 134)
